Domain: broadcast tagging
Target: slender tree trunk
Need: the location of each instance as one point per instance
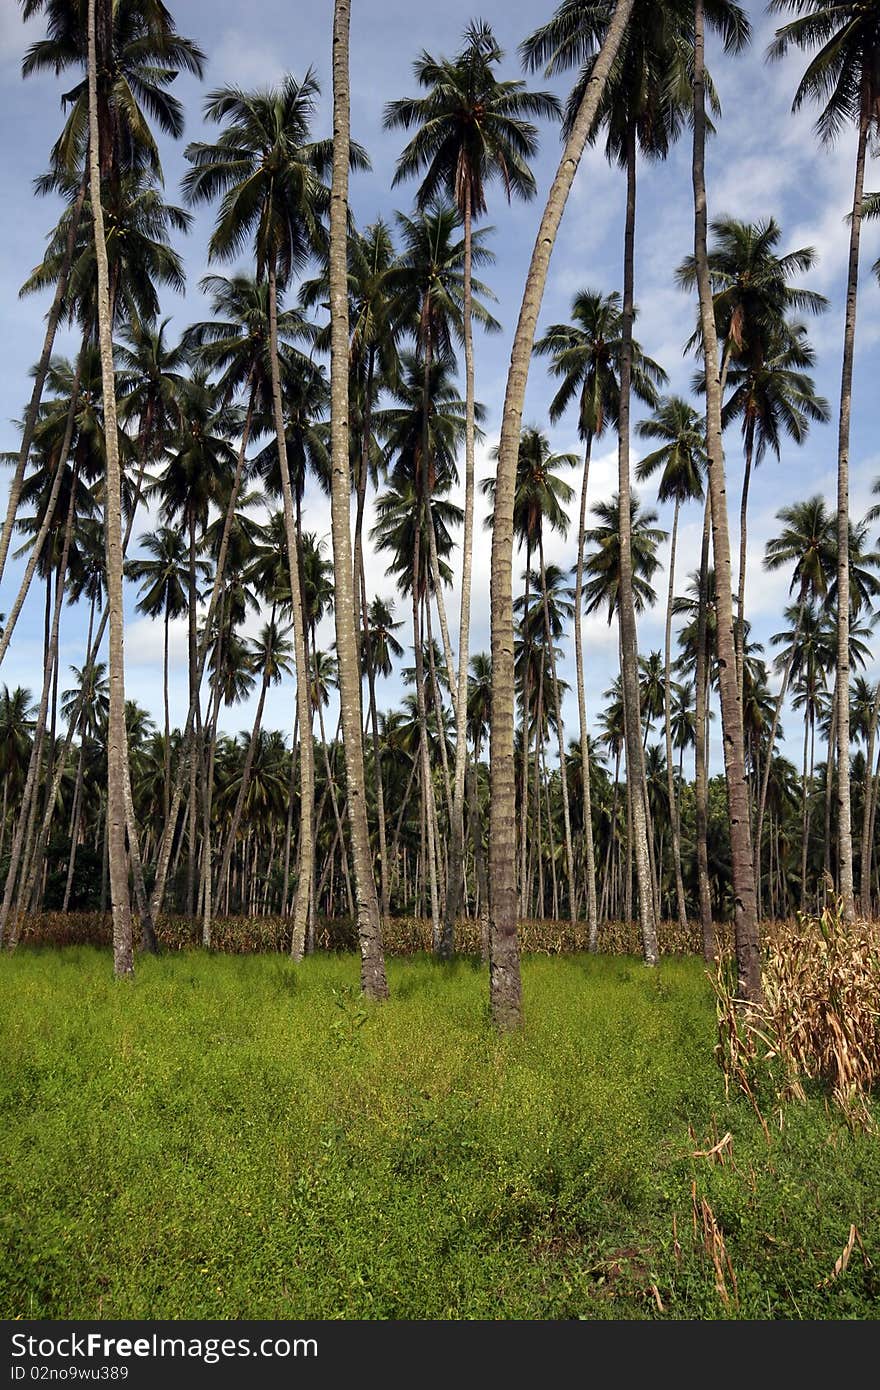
(629, 651)
(743, 545)
(303, 696)
(505, 987)
(373, 979)
(456, 849)
(526, 738)
(844, 811)
(592, 917)
(768, 761)
(563, 771)
(680, 900)
(745, 916)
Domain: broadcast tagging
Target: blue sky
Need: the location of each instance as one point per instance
(764, 161)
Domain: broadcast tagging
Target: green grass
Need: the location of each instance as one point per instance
(236, 1137)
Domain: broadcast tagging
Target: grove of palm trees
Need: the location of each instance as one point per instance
(441, 577)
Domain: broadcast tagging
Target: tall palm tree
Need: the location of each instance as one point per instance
(142, 56)
(682, 458)
(643, 108)
(541, 498)
(742, 867)
(116, 741)
(843, 77)
(471, 128)
(373, 980)
(586, 355)
(269, 175)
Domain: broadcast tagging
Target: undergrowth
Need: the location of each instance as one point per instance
(238, 1137)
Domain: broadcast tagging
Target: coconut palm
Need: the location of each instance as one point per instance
(585, 354)
(471, 128)
(165, 580)
(269, 173)
(682, 458)
(843, 77)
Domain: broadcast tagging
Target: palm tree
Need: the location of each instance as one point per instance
(844, 78)
(586, 355)
(116, 742)
(742, 867)
(771, 395)
(271, 657)
(165, 581)
(643, 107)
(373, 980)
(682, 458)
(471, 128)
(807, 543)
(541, 497)
(268, 173)
(142, 55)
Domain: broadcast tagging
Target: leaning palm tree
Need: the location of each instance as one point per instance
(682, 458)
(269, 176)
(843, 77)
(471, 129)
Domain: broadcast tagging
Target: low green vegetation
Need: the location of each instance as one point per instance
(236, 1137)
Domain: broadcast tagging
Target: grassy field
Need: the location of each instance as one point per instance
(235, 1137)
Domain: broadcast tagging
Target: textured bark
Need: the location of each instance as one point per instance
(844, 808)
(681, 904)
(745, 915)
(629, 649)
(701, 724)
(300, 651)
(504, 969)
(456, 847)
(116, 741)
(592, 917)
(373, 979)
(740, 631)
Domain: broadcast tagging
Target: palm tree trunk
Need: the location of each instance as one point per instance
(373, 979)
(563, 771)
(743, 543)
(745, 915)
(701, 727)
(526, 742)
(456, 848)
(844, 810)
(592, 917)
(765, 780)
(629, 667)
(680, 900)
(303, 697)
(505, 987)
